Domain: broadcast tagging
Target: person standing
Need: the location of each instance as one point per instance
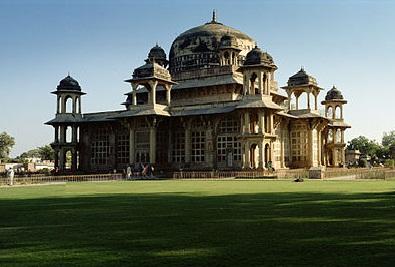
(128, 173)
(11, 175)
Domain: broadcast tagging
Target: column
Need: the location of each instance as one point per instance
(188, 144)
(134, 94)
(247, 154)
(79, 104)
(261, 155)
(289, 100)
(74, 103)
(170, 144)
(153, 85)
(56, 158)
(261, 122)
(342, 136)
(297, 102)
(168, 96)
(152, 144)
(341, 112)
(319, 147)
(247, 122)
(63, 103)
(62, 134)
(282, 156)
(131, 144)
(310, 144)
(271, 123)
(61, 159)
(260, 86)
(73, 160)
(58, 104)
(315, 102)
(308, 100)
(74, 134)
(56, 134)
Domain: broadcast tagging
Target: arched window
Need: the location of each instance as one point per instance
(68, 104)
(252, 80)
(329, 112)
(337, 112)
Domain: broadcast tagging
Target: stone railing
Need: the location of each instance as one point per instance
(63, 178)
(360, 173)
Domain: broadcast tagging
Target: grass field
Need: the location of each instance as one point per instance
(199, 223)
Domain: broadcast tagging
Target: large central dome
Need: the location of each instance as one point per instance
(198, 47)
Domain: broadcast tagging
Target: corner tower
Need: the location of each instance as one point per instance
(335, 144)
(66, 124)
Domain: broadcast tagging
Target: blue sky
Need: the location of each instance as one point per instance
(347, 43)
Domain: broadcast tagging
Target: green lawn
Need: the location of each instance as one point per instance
(199, 223)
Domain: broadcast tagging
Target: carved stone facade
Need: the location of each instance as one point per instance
(216, 106)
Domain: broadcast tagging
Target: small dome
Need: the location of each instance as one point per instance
(69, 83)
(228, 41)
(301, 78)
(334, 94)
(157, 52)
(158, 55)
(256, 56)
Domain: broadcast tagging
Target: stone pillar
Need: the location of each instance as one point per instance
(74, 134)
(79, 104)
(315, 102)
(61, 159)
(168, 95)
(319, 147)
(62, 134)
(209, 157)
(341, 112)
(56, 134)
(132, 150)
(297, 102)
(74, 104)
(261, 122)
(271, 123)
(282, 156)
(342, 136)
(308, 100)
(73, 160)
(247, 122)
(247, 154)
(134, 94)
(152, 144)
(310, 147)
(261, 155)
(58, 104)
(289, 100)
(63, 109)
(260, 83)
(188, 144)
(56, 150)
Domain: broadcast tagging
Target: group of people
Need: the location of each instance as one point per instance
(139, 169)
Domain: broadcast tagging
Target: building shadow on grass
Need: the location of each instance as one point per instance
(177, 229)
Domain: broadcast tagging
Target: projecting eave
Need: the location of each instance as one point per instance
(150, 78)
(68, 91)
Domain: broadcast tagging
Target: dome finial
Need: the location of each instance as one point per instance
(214, 19)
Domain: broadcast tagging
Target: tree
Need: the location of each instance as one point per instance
(365, 146)
(6, 143)
(46, 152)
(388, 139)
